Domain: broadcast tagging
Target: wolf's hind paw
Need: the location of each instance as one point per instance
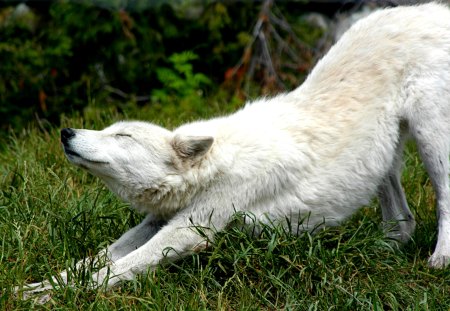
(439, 261)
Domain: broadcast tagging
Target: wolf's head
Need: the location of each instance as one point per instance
(138, 161)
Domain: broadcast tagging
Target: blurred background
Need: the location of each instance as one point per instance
(59, 58)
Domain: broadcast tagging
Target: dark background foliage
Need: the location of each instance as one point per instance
(59, 56)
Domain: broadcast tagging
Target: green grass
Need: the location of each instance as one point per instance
(52, 214)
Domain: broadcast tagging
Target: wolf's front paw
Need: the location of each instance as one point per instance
(34, 291)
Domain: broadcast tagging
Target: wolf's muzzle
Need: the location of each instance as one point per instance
(66, 135)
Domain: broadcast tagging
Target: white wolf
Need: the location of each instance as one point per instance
(314, 155)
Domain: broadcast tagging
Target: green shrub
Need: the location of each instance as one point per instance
(179, 84)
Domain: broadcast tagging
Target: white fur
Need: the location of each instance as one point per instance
(314, 155)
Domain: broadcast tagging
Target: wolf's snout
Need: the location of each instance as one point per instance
(66, 134)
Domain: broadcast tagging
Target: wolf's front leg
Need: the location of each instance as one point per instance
(133, 238)
(176, 239)
(130, 241)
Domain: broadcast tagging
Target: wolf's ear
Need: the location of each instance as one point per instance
(191, 147)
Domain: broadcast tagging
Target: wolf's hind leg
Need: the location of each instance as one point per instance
(398, 220)
(429, 122)
(433, 143)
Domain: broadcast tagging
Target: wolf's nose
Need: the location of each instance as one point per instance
(66, 134)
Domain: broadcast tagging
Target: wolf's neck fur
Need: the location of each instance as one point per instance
(174, 193)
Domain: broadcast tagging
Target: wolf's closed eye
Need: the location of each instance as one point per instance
(123, 135)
